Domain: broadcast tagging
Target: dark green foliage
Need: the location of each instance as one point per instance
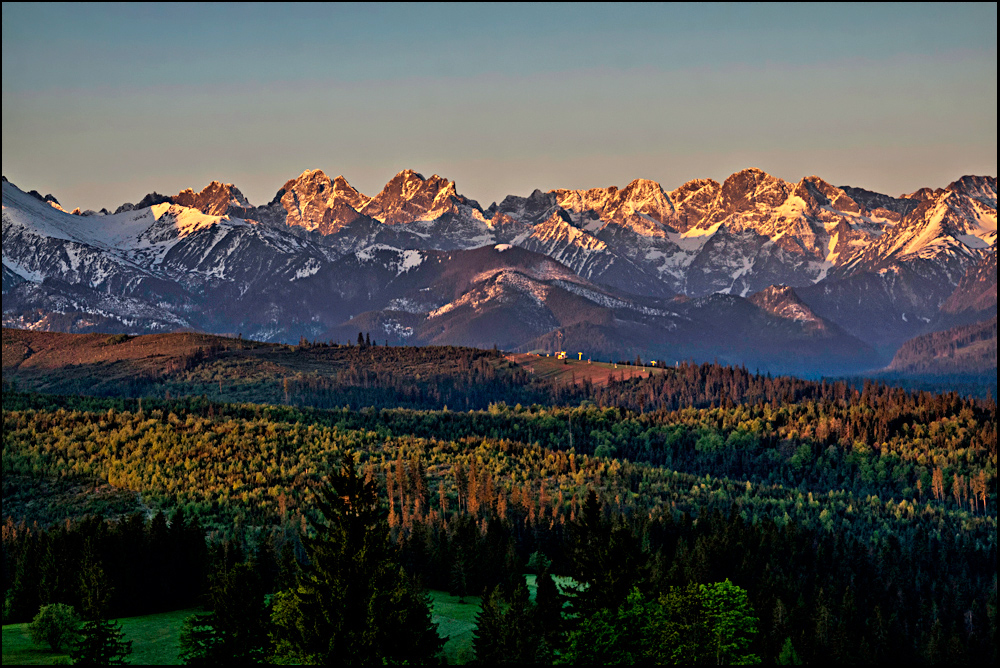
(116, 569)
(353, 603)
(549, 604)
(697, 624)
(101, 643)
(509, 631)
(606, 561)
(788, 656)
(612, 636)
(237, 628)
(459, 581)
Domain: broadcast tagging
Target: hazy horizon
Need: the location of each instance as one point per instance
(105, 103)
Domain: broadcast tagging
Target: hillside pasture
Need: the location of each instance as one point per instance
(574, 370)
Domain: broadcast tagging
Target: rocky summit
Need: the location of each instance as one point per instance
(802, 277)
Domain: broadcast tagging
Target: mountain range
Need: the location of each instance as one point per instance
(803, 277)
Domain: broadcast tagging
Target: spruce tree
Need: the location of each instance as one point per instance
(236, 631)
(101, 642)
(353, 603)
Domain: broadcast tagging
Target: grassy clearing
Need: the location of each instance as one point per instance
(565, 372)
(155, 641)
(19, 650)
(456, 622)
(563, 584)
(155, 638)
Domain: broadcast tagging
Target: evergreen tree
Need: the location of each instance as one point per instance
(101, 642)
(237, 628)
(548, 609)
(606, 561)
(508, 632)
(353, 603)
(459, 584)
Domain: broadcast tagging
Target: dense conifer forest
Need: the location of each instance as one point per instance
(834, 523)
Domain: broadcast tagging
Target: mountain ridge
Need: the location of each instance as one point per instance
(212, 260)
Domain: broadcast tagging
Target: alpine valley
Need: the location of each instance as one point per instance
(805, 278)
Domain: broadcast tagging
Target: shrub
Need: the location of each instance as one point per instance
(56, 624)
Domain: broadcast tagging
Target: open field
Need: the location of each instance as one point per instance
(154, 639)
(569, 371)
(456, 621)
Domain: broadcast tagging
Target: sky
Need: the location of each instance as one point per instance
(105, 103)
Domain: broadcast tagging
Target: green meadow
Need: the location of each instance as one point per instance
(154, 639)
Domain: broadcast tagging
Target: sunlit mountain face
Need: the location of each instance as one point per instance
(802, 277)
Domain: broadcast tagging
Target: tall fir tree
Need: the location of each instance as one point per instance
(352, 603)
(101, 642)
(236, 631)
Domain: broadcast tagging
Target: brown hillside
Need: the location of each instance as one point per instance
(236, 370)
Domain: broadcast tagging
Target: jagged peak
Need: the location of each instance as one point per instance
(341, 183)
(643, 189)
(408, 196)
(923, 194)
(979, 187)
(643, 184)
(214, 199)
(693, 187)
(752, 175)
(309, 176)
(408, 174)
(815, 188)
(313, 175)
(749, 187)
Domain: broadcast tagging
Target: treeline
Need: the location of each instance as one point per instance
(151, 565)
(321, 375)
(328, 375)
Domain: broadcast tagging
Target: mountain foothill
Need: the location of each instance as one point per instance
(804, 278)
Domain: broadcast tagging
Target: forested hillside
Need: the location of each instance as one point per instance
(862, 524)
(969, 349)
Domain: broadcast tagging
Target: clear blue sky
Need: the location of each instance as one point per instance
(103, 103)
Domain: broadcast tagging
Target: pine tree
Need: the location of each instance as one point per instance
(236, 631)
(606, 560)
(548, 609)
(507, 632)
(353, 603)
(459, 581)
(101, 642)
